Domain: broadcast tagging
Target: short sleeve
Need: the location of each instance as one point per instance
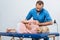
(47, 17)
(29, 15)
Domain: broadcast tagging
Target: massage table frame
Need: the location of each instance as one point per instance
(40, 35)
(50, 36)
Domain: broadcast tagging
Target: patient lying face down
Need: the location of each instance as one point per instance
(30, 26)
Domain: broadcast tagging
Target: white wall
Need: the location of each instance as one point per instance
(13, 11)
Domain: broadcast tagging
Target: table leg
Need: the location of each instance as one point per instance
(12, 38)
(52, 36)
(0, 37)
(20, 38)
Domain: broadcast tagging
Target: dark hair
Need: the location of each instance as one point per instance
(39, 2)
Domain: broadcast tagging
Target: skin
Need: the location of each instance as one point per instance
(38, 8)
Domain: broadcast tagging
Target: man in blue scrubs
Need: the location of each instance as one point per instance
(41, 15)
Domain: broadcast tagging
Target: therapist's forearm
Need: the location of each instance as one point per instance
(46, 23)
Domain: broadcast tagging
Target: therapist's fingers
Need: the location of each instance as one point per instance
(24, 21)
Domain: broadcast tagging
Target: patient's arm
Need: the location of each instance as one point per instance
(10, 30)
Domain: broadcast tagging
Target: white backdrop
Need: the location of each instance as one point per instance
(13, 11)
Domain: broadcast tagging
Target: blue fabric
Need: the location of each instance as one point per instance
(39, 35)
(56, 34)
(47, 38)
(36, 36)
(27, 35)
(42, 17)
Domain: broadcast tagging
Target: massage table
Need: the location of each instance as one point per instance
(27, 35)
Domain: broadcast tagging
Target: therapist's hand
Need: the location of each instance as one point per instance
(24, 21)
(36, 22)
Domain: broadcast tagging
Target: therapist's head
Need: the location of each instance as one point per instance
(39, 5)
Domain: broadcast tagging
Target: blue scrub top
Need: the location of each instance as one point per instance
(42, 17)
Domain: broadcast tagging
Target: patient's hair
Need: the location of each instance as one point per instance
(40, 2)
